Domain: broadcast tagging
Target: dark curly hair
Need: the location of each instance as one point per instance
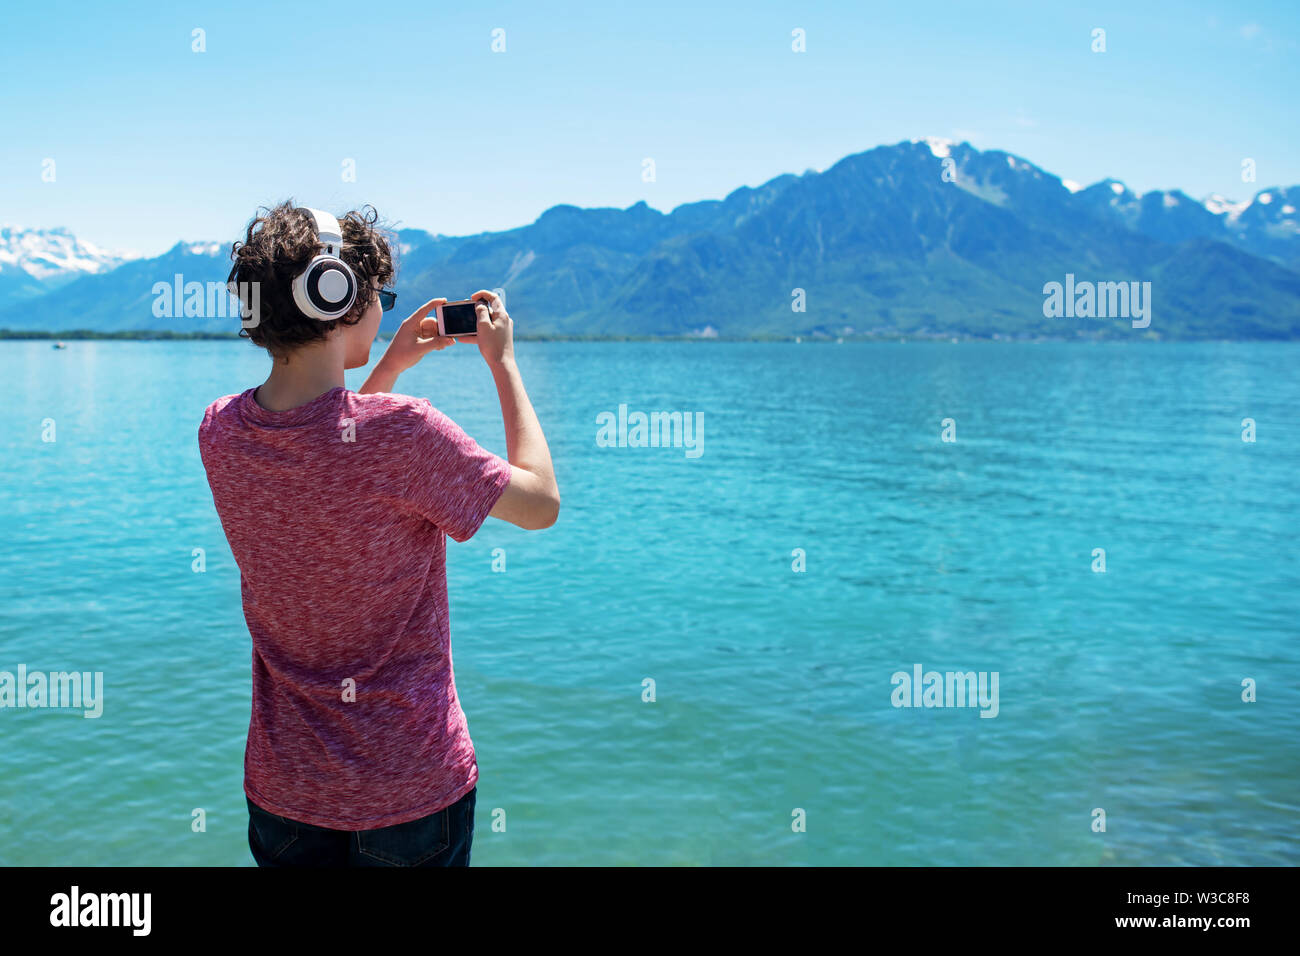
(278, 245)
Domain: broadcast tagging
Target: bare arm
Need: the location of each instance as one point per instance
(532, 499)
(406, 348)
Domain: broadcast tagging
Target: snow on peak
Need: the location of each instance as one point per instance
(1071, 185)
(939, 146)
(54, 254)
(202, 248)
(1117, 188)
(1264, 198)
(1220, 206)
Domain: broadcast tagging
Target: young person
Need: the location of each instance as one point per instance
(337, 505)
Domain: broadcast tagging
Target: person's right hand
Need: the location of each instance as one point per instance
(415, 338)
(496, 337)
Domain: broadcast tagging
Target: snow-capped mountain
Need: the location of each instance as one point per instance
(1268, 225)
(35, 261)
(1265, 225)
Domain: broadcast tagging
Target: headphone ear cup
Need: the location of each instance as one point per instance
(326, 289)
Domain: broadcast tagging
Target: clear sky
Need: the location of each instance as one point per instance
(153, 142)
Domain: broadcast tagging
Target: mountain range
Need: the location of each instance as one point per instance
(36, 261)
(924, 238)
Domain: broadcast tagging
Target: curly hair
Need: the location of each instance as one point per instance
(278, 245)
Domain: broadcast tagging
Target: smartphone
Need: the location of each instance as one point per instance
(457, 319)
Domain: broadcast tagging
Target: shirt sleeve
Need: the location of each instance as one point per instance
(453, 481)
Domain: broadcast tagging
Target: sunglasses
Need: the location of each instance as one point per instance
(387, 299)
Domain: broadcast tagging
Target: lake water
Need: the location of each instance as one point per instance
(1119, 691)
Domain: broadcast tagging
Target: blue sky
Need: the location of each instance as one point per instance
(153, 142)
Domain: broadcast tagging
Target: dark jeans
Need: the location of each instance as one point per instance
(440, 839)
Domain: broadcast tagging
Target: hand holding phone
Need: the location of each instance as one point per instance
(496, 335)
(457, 319)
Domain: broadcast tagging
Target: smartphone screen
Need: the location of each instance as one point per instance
(459, 319)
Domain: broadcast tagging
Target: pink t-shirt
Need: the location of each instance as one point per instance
(336, 513)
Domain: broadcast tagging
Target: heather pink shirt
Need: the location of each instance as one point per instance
(338, 530)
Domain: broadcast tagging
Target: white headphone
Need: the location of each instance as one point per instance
(327, 288)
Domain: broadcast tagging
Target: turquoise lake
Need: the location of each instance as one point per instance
(1120, 691)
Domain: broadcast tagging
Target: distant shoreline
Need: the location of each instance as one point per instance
(806, 339)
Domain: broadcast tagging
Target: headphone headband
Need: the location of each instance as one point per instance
(328, 228)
